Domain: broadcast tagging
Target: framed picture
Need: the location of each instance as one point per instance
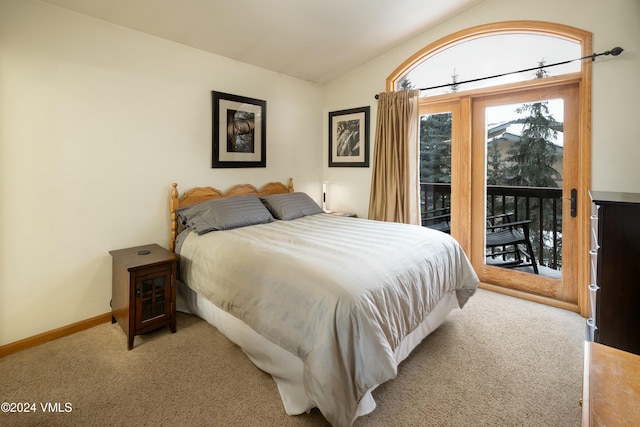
(239, 131)
(349, 137)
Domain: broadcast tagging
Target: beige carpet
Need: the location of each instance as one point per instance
(500, 361)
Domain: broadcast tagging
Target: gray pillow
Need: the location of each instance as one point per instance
(291, 205)
(224, 214)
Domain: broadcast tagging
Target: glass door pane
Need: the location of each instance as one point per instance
(524, 179)
(435, 170)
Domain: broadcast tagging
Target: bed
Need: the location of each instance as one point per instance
(327, 305)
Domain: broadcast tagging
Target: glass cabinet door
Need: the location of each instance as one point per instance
(153, 297)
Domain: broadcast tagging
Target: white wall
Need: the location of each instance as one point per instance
(96, 122)
(616, 87)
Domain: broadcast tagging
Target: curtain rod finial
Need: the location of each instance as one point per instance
(616, 51)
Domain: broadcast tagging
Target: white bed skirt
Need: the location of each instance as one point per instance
(286, 368)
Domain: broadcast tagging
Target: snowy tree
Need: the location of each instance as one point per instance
(530, 162)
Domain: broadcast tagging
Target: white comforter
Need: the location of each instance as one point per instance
(339, 293)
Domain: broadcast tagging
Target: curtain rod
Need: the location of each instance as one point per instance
(615, 52)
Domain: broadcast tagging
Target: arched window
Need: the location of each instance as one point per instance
(489, 50)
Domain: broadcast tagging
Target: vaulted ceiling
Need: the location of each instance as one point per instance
(313, 40)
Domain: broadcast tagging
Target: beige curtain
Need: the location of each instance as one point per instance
(395, 180)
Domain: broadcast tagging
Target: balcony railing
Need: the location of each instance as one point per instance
(543, 206)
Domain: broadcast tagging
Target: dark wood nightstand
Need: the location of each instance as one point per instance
(143, 289)
(347, 214)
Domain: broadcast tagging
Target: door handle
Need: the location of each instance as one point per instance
(574, 202)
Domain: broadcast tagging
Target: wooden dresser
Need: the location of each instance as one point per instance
(611, 387)
(615, 270)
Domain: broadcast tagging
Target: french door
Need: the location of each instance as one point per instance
(486, 132)
(526, 149)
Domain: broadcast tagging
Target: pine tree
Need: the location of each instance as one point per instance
(435, 148)
(530, 162)
(435, 154)
(454, 86)
(405, 84)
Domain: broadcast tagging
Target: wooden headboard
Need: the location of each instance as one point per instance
(200, 194)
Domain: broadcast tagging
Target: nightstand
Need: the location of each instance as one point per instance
(347, 214)
(143, 289)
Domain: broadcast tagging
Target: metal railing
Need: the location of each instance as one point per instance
(543, 206)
